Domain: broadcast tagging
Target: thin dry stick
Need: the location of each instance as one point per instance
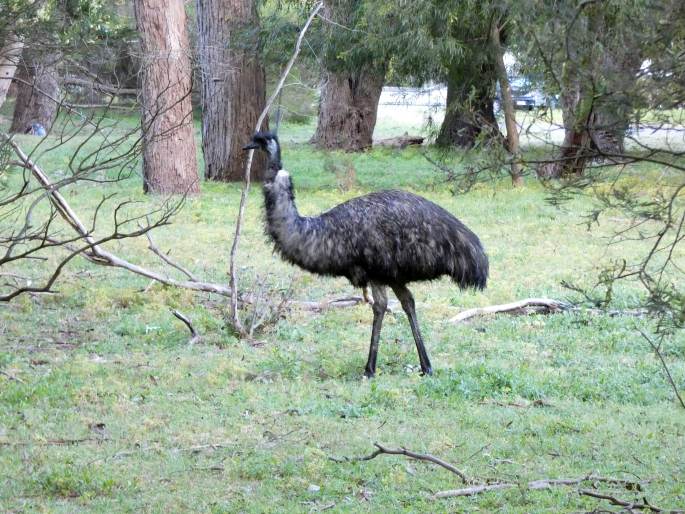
(11, 377)
(154, 249)
(248, 165)
(657, 350)
(380, 450)
(194, 336)
(628, 505)
(535, 485)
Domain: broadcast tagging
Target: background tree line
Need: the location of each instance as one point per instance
(608, 64)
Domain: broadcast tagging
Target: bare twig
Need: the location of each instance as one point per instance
(154, 249)
(380, 450)
(536, 485)
(11, 377)
(644, 505)
(194, 336)
(657, 351)
(233, 283)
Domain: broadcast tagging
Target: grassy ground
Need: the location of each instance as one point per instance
(111, 410)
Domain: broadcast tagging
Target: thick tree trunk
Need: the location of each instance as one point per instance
(348, 109)
(507, 105)
(470, 105)
(595, 96)
(38, 91)
(233, 86)
(351, 90)
(169, 156)
(10, 54)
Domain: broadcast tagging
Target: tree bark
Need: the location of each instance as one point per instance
(595, 95)
(169, 155)
(233, 86)
(470, 105)
(348, 110)
(38, 91)
(507, 105)
(350, 92)
(10, 54)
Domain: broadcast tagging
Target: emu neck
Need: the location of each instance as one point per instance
(283, 220)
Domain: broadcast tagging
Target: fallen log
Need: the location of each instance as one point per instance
(400, 142)
(526, 306)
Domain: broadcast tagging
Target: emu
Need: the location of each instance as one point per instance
(386, 238)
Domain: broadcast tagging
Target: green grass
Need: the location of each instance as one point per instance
(113, 411)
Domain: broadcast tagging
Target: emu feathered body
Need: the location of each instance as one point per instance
(386, 237)
(389, 238)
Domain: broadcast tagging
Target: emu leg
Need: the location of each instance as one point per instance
(407, 300)
(380, 303)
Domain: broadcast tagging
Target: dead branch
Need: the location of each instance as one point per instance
(154, 249)
(94, 252)
(400, 142)
(644, 505)
(536, 485)
(657, 351)
(380, 450)
(348, 301)
(194, 336)
(526, 306)
(11, 377)
(476, 487)
(233, 281)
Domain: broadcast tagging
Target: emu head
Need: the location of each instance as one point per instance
(268, 142)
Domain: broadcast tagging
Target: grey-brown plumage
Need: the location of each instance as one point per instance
(387, 238)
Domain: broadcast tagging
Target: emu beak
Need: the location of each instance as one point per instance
(251, 146)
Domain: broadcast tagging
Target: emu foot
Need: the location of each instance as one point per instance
(369, 374)
(427, 371)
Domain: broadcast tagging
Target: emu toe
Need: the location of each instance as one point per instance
(427, 371)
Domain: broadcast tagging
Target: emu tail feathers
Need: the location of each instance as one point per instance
(470, 266)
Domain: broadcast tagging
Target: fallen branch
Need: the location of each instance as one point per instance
(475, 487)
(527, 306)
(644, 505)
(400, 142)
(11, 377)
(95, 253)
(380, 450)
(194, 336)
(153, 248)
(536, 485)
(54, 442)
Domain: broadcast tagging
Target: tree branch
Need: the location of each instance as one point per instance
(644, 505)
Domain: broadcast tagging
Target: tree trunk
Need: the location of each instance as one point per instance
(169, 155)
(470, 105)
(10, 54)
(507, 105)
(233, 86)
(348, 109)
(351, 90)
(38, 91)
(595, 96)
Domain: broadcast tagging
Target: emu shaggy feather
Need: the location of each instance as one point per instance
(388, 238)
